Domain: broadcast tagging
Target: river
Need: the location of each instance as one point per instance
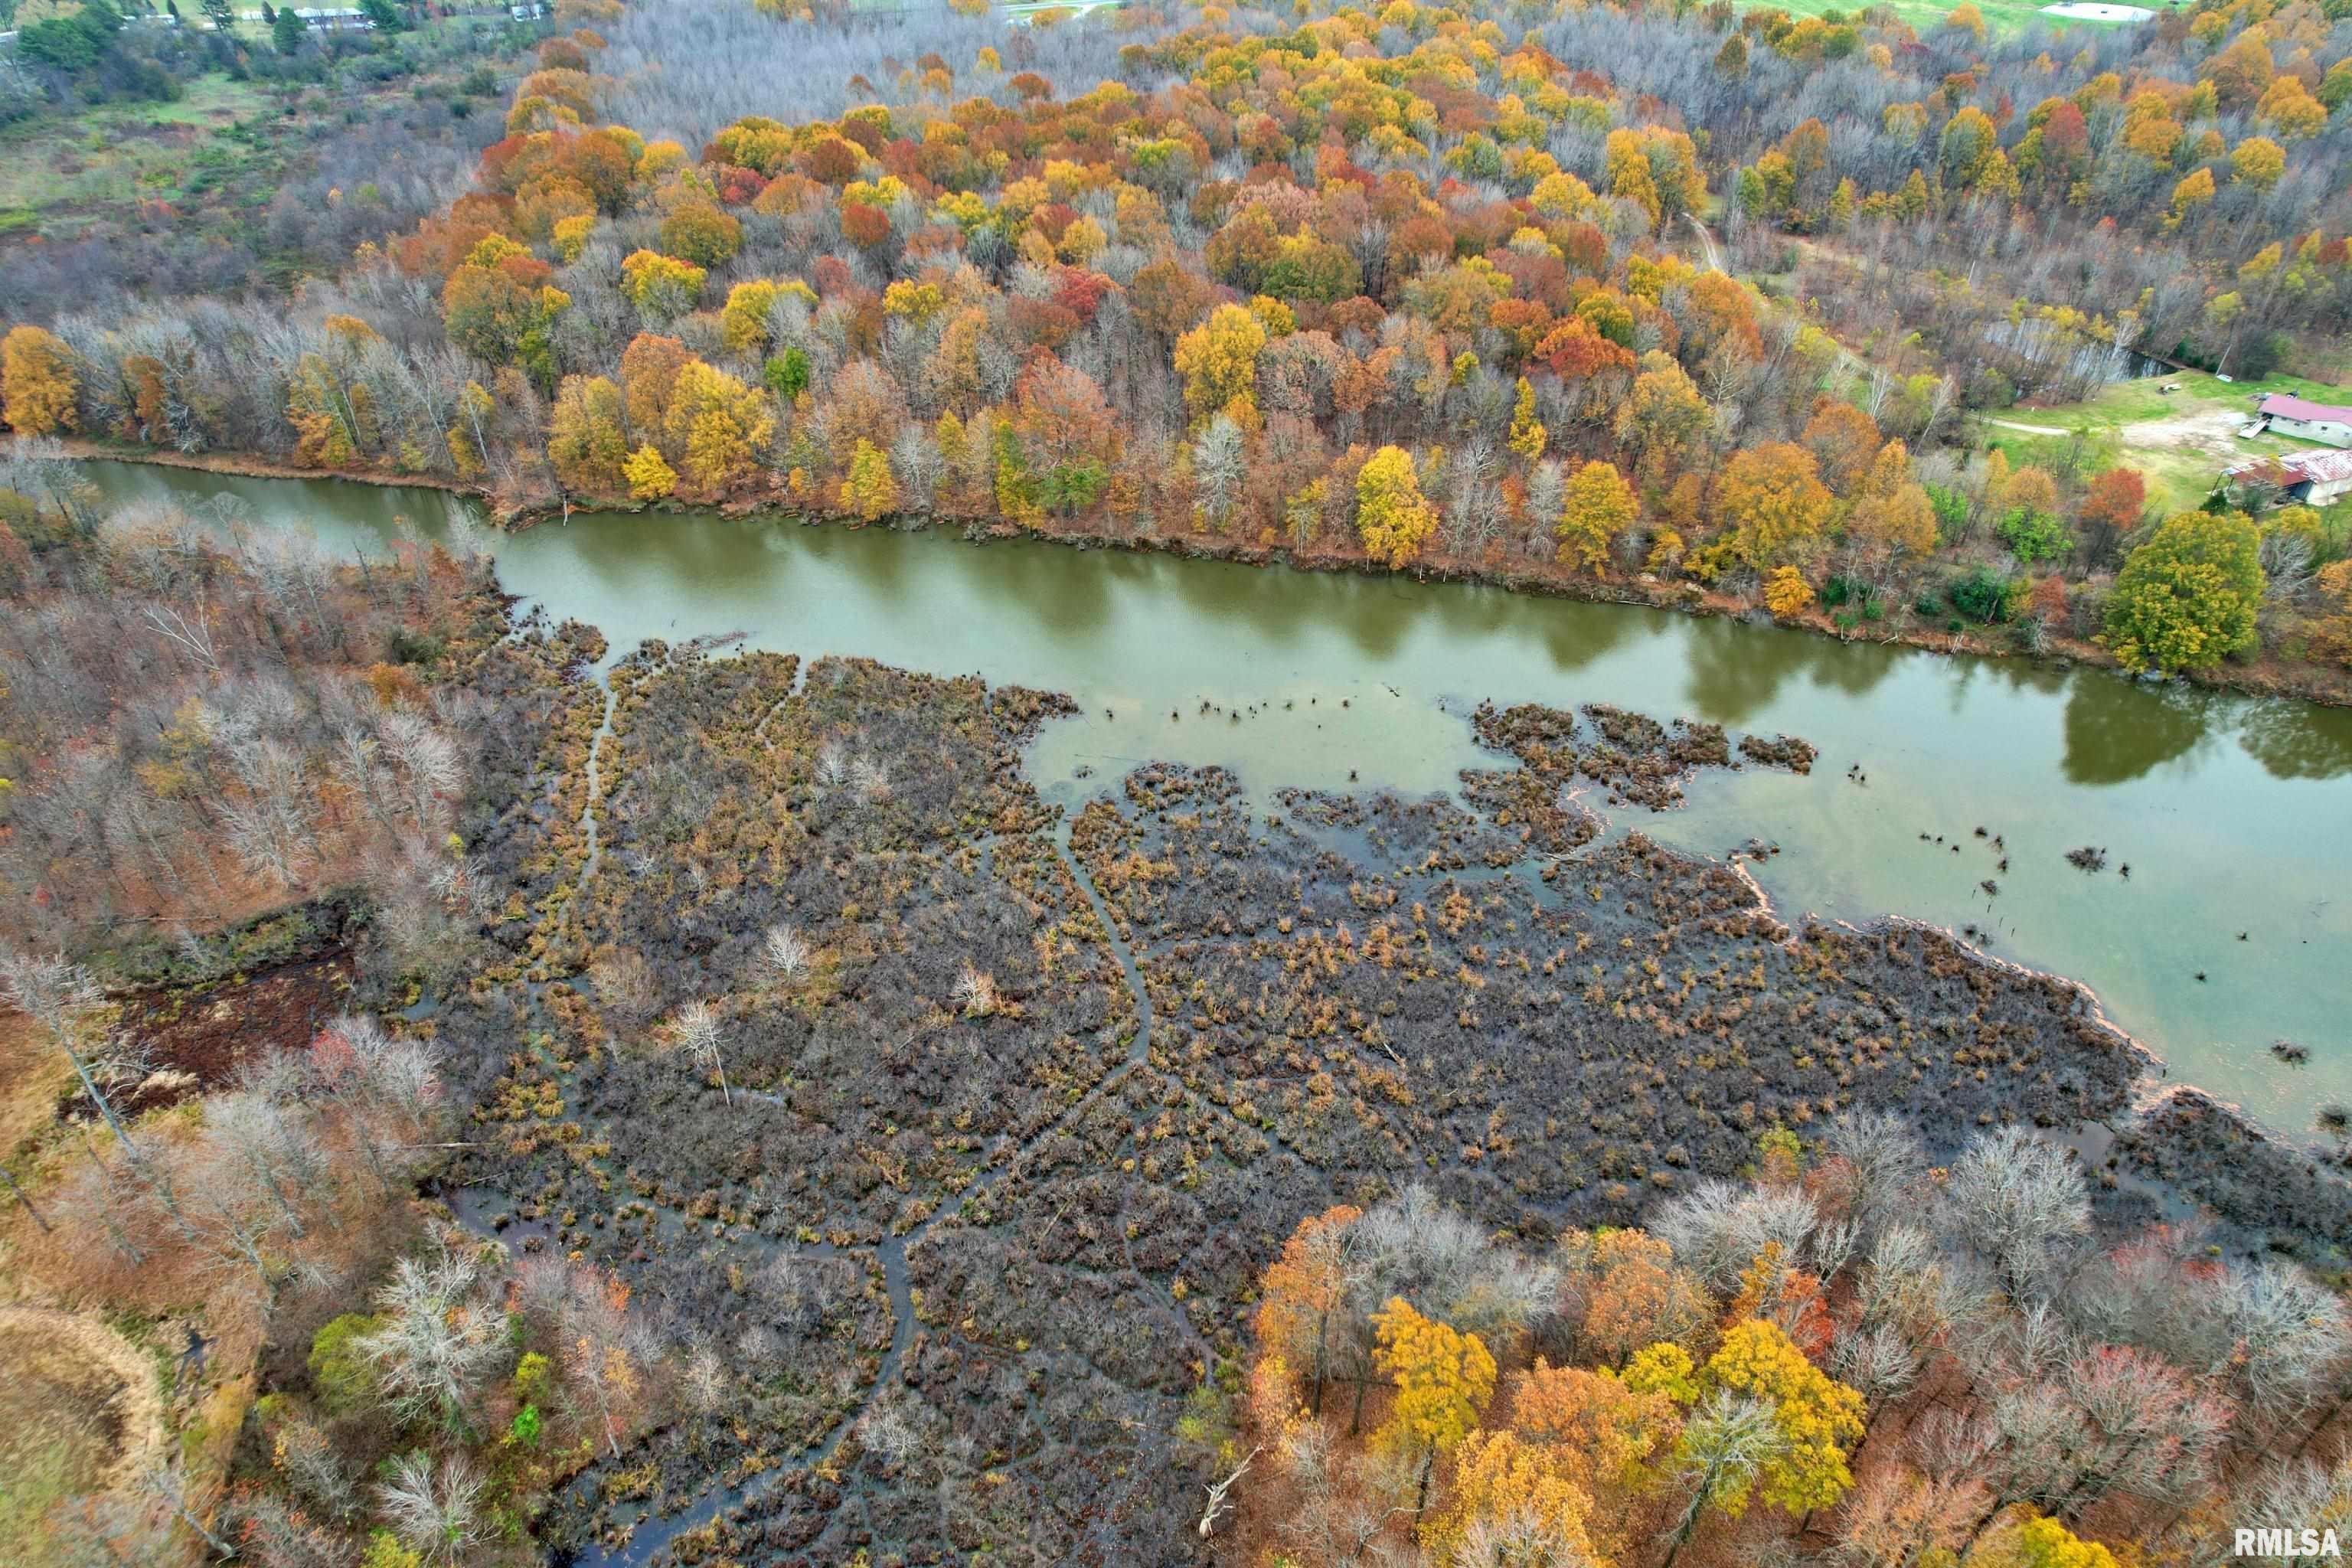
(2233, 813)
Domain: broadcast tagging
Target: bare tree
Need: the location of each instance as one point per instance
(358, 764)
(1897, 1516)
(1717, 1228)
(92, 1198)
(435, 1510)
(271, 827)
(784, 953)
(706, 1380)
(2146, 1431)
(1884, 1166)
(2290, 1337)
(697, 1030)
(2017, 1201)
(388, 1088)
(192, 634)
(63, 1002)
(2294, 1496)
(252, 1130)
(1520, 1539)
(429, 764)
(976, 992)
(309, 1459)
(234, 1219)
(1219, 1504)
(439, 1340)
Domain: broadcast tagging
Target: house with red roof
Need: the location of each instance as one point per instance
(2289, 416)
(2313, 479)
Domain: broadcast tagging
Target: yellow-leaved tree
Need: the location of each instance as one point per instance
(1817, 1418)
(1597, 507)
(1528, 432)
(1218, 359)
(37, 382)
(718, 423)
(662, 286)
(2046, 1544)
(1786, 592)
(1443, 1379)
(1392, 517)
(870, 491)
(650, 476)
(1503, 1480)
(1773, 499)
(584, 438)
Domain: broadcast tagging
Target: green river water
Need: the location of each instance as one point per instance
(2234, 814)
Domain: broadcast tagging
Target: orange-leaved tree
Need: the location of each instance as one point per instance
(1893, 516)
(1305, 1288)
(1630, 1291)
(1773, 499)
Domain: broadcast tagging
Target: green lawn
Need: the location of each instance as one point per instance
(2180, 440)
(119, 154)
(1999, 16)
(2129, 402)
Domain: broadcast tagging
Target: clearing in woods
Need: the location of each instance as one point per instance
(2180, 440)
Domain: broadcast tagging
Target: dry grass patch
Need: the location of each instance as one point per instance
(80, 1414)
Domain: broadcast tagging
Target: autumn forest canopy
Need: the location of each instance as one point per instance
(1711, 302)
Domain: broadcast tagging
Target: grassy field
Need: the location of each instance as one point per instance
(210, 159)
(2181, 440)
(121, 155)
(1999, 16)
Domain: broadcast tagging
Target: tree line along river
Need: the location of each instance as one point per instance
(2233, 813)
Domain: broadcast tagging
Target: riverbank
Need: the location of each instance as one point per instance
(240, 465)
(2222, 806)
(2268, 678)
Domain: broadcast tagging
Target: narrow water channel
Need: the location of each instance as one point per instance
(2234, 814)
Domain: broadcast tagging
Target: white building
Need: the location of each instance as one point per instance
(2287, 415)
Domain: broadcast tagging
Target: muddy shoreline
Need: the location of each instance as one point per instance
(2307, 683)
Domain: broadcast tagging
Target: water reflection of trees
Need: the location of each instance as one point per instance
(1062, 593)
(2117, 729)
(1275, 604)
(1374, 610)
(1736, 669)
(1851, 668)
(2296, 740)
(1576, 635)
